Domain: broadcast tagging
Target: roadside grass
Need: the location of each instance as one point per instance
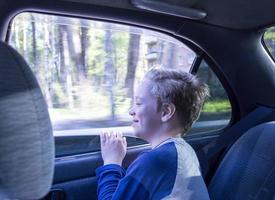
(216, 106)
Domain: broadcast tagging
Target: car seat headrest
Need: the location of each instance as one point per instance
(26, 140)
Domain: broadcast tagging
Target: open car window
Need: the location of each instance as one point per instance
(216, 111)
(269, 40)
(88, 70)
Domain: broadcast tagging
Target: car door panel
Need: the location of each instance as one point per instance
(75, 179)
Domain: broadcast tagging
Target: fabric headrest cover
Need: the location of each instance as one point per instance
(26, 140)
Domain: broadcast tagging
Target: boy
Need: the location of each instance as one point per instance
(166, 104)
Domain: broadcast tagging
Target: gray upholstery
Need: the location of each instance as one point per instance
(248, 169)
(26, 141)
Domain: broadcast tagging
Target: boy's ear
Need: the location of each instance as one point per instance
(168, 110)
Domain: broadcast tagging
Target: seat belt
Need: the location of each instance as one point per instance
(209, 152)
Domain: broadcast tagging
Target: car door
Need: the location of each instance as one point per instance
(88, 70)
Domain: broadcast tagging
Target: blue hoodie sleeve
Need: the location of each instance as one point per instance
(113, 185)
(108, 177)
(151, 175)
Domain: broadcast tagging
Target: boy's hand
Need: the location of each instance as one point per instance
(113, 147)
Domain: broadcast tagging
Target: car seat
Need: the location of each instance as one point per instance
(248, 168)
(26, 140)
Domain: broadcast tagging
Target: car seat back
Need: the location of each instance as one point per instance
(248, 169)
(26, 140)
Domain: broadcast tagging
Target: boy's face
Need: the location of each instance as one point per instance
(145, 113)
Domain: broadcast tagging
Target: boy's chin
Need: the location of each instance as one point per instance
(138, 134)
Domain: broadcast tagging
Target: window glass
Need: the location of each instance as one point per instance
(87, 71)
(269, 40)
(216, 112)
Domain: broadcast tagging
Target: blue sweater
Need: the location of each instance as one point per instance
(170, 171)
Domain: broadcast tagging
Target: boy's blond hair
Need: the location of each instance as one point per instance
(182, 89)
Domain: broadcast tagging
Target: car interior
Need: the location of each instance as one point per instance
(40, 161)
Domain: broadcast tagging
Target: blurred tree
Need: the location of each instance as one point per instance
(169, 57)
(46, 67)
(132, 60)
(109, 69)
(34, 45)
(76, 57)
(84, 44)
(65, 78)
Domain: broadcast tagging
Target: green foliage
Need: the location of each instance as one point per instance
(217, 106)
(96, 57)
(121, 42)
(269, 40)
(270, 34)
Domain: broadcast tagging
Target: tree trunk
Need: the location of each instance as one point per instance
(34, 46)
(109, 78)
(169, 56)
(73, 54)
(68, 72)
(25, 42)
(47, 71)
(133, 57)
(60, 42)
(84, 44)
(17, 41)
(64, 63)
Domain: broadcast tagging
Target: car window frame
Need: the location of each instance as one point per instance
(200, 56)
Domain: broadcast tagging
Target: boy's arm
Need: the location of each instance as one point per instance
(111, 181)
(113, 185)
(108, 177)
(113, 150)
